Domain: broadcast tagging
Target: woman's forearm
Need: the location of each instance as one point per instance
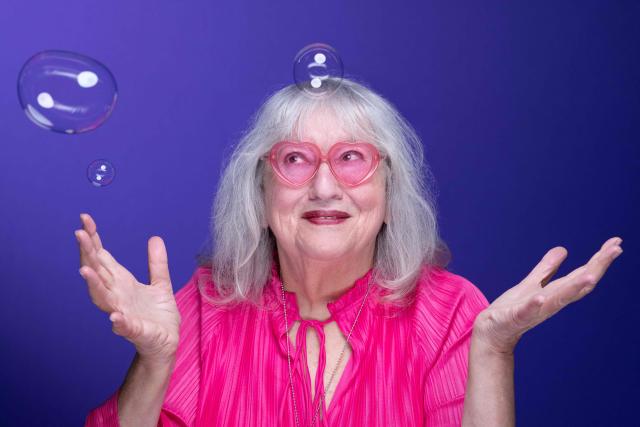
(142, 394)
(489, 396)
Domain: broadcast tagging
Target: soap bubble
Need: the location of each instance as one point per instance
(66, 92)
(314, 65)
(101, 172)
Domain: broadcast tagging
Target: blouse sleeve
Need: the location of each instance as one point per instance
(179, 408)
(459, 303)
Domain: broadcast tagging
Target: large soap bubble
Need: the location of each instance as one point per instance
(66, 92)
(314, 65)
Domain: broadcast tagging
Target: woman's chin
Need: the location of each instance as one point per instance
(326, 252)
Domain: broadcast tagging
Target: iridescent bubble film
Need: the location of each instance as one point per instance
(101, 172)
(66, 92)
(317, 68)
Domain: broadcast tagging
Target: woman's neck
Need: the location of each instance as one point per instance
(317, 282)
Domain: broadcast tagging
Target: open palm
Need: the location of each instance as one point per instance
(535, 299)
(146, 315)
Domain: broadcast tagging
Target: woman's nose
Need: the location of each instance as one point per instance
(324, 184)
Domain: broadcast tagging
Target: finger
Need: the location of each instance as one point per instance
(122, 325)
(100, 295)
(89, 257)
(108, 267)
(543, 271)
(550, 264)
(87, 250)
(158, 261)
(108, 261)
(90, 227)
(128, 327)
(552, 260)
(563, 292)
(598, 264)
(582, 280)
(614, 241)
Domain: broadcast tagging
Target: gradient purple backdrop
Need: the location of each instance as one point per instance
(529, 117)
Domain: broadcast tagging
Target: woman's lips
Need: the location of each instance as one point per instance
(325, 217)
(325, 220)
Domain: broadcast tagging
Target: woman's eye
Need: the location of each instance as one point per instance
(293, 158)
(351, 155)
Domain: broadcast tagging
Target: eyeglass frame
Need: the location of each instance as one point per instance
(377, 157)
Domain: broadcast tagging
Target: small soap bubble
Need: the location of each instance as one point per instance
(101, 172)
(66, 92)
(318, 69)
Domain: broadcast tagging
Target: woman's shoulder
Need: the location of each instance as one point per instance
(202, 291)
(199, 282)
(444, 299)
(441, 285)
(198, 300)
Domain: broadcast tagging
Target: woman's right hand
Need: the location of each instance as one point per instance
(146, 315)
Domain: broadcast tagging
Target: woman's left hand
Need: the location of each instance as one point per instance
(533, 300)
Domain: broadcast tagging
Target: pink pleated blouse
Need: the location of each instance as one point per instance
(408, 366)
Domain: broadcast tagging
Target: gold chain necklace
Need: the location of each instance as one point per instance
(286, 324)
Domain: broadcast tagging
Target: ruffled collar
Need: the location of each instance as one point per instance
(347, 302)
(343, 310)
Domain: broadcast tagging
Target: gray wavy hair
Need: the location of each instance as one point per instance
(240, 250)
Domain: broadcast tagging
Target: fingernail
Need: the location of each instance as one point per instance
(80, 271)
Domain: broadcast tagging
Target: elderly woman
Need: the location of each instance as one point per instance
(325, 300)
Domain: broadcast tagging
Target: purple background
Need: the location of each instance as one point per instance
(529, 116)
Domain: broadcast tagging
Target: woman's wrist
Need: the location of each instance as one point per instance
(489, 399)
(143, 392)
(484, 337)
(485, 349)
(157, 363)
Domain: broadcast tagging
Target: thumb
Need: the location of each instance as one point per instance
(120, 325)
(158, 263)
(547, 267)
